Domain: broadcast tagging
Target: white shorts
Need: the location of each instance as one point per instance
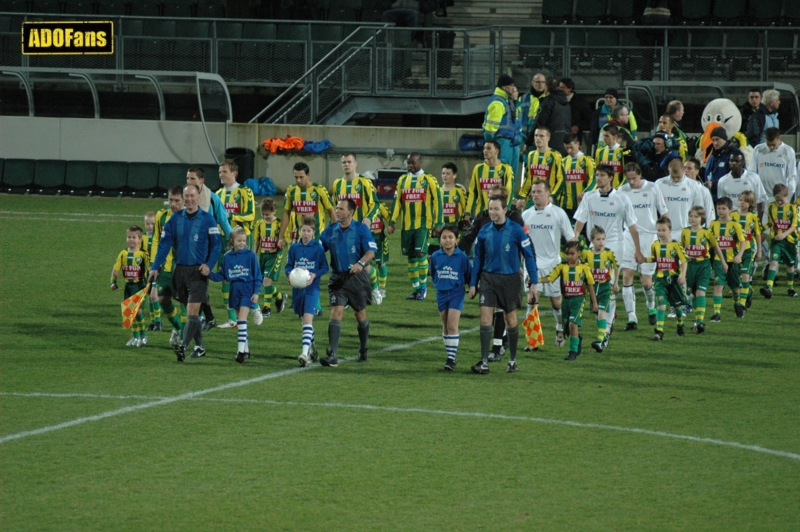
(549, 289)
(629, 261)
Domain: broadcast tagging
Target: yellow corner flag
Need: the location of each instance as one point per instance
(130, 306)
(533, 328)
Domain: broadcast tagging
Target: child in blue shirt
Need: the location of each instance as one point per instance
(450, 270)
(240, 268)
(309, 254)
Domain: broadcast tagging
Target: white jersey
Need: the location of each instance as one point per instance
(610, 211)
(545, 228)
(708, 204)
(775, 167)
(680, 197)
(731, 187)
(648, 204)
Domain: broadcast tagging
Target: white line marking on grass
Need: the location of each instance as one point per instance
(190, 395)
(481, 415)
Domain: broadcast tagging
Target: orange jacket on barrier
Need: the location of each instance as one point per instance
(289, 143)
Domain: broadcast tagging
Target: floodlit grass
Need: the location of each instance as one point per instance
(396, 443)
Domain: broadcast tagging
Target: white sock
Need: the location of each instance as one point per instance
(629, 300)
(650, 297)
(559, 323)
(612, 309)
(308, 336)
(451, 345)
(242, 333)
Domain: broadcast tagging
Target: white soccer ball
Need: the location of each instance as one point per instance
(299, 277)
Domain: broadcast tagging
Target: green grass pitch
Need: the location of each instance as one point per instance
(699, 433)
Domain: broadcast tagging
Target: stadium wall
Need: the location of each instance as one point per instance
(185, 142)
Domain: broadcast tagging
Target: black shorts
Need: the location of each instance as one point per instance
(189, 285)
(350, 289)
(501, 290)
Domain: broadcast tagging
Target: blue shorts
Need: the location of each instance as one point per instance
(450, 299)
(304, 300)
(240, 295)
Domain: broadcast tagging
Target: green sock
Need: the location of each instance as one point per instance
(601, 330)
(422, 270)
(156, 306)
(717, 304)
(172, 315)
(790, 280)
(412, 274)
(373, 277)
(660, 319)
(383, 272)
(574, 342)
(744, 292)
(269, 295)
(771, 274)
(700, 308)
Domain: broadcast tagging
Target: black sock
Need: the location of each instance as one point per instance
(334, 333)
(363, 334)
(513, 340)
(191, 330)
(486, 342)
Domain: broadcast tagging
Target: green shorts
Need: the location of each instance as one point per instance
(746, 267)
(132, 288)
(698, 276)
(164, 284)
(602, 291)
(382, 256)
(572, 310)
(270, 264)
(732, 278)
(414, 242)
(783, 252)
(669, 292)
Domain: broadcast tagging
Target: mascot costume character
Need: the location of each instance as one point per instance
(722, 113)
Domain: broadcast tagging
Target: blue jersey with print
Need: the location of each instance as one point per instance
(498, 249)
(240, 267)
(449, 271)
(310, 256)
(194, 240)
(347, 245)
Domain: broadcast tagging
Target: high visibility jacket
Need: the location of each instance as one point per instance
(498, 120)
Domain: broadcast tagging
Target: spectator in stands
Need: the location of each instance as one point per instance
(554, 114)
(764, 117)
(666, 125)
(407, 13)
(620, 117)
(580, 108)
(530, 102)
(602, 115)
(501, 120)
(675, 111)
(655, 13)
(659, 159)
(749, 107)
(719, 154)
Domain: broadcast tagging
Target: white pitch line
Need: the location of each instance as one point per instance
(481, 415)
(192, 395)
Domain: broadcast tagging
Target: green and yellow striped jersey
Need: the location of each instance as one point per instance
(606, 155)
(266, 236)
(380, 219)
(134, 266)
(162, 217)
(602, 264)
(780, 219)
(668, 258)
(729, 236)
(418, 200)
(578, 178)
(698, 245)
(751, 227)
(312, 201)
(484, 177)
(360, 190)
(240, 204)
(544, 166)
(454, 203)
(573, 278)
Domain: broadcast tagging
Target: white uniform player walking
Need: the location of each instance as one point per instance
(732, 184)
(611, 210)
(648, 204)
(547, 224)
(680, 194)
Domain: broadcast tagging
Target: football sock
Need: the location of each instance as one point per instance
(486, 342)
(574, 342)
(559, 317)
(191, 329)
(499, 327)
(422, 270)
(513, 341)
(601, 330)
(269, 295)
(383, 273)
(679, 315)
(241, 327)
(155, 311)
(744, 292)
(308, 337)
(334, 333)
(184, 318)
(171, 314)
(373, 277)
(660, 319)
(717, 304)
(771, 274)
(451, 345)
(650, 298)
(412, 274)
(790, 280)
(611, 312)
(363, 334)
(700, 308)
(629, 300)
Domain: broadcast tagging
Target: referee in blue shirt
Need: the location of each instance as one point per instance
(352, 247)
(497, 266)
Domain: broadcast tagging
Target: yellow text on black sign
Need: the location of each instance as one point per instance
(68, 38)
